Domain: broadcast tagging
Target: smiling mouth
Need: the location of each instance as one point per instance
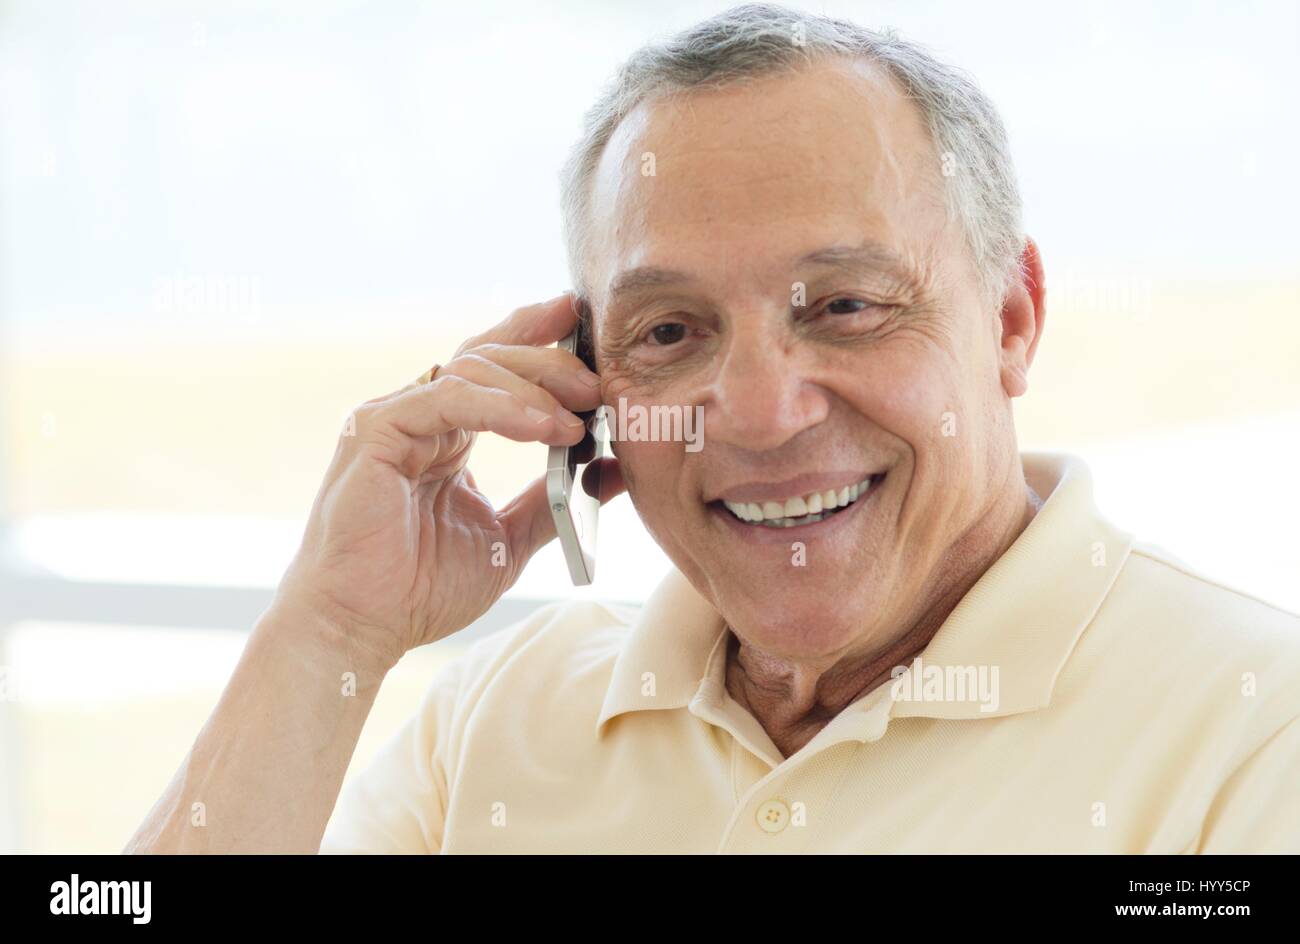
(801, 509)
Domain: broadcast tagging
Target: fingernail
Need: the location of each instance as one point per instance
(567, 418)
(590, 379)
(537, 416)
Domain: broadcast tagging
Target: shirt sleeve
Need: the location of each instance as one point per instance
(1258, 808)
(397, 805)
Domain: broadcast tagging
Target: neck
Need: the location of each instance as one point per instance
(794, 700)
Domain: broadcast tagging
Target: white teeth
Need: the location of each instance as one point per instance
(801, 509)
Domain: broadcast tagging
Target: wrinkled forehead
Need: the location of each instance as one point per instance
(739, 180)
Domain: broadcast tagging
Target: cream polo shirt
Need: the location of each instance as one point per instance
(1136, 707)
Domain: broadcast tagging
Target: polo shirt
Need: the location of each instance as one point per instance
(1136, 707)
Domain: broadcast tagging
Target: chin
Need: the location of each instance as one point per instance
(794, 624)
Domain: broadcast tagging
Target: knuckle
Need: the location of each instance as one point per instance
(359, 419)
(476, 361)
(367, 410)
(488, 350)
(470, 343)
(445, 384)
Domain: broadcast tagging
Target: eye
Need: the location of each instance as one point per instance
(844, 306)
(666, 334)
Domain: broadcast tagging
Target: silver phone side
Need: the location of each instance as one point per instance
(560, 486)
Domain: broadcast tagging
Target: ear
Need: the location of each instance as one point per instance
(1022, 317)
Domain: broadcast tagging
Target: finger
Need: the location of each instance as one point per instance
(532, 326)
(488, 373)
(424, 378)
(452, 402)
(611, 483)
(564, 375)
(584, 450)
(543, 323)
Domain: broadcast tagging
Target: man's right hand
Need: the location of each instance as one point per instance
(400, 546)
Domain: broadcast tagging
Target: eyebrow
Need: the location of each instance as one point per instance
(642, 279)
(867, 256)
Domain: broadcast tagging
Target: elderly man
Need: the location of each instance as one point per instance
(887, 630)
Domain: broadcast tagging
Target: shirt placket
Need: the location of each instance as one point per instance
(783, 802)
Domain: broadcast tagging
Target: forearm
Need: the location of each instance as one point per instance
(265, 771)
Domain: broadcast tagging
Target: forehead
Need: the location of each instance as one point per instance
(744, 178)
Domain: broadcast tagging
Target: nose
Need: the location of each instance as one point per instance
(760, 396)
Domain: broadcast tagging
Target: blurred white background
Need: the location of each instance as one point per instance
(222, 225)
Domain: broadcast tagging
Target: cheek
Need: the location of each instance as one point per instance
(651, 471)
(911, 394)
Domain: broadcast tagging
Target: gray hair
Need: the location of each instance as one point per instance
(761, 39)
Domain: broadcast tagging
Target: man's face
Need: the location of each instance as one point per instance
(789, 266)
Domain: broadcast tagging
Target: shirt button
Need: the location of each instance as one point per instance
(773, 816)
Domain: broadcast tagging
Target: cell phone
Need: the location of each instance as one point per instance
(573, 475)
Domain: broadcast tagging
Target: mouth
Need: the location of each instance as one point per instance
(798, 510)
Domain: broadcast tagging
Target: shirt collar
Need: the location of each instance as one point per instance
(1022, 618)
(665, 662)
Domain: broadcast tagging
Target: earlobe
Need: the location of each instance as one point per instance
(1015, 380)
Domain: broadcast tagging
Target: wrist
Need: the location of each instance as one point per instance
(320, 633)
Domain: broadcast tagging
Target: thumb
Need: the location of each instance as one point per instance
(527, 521)
(611, 479)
